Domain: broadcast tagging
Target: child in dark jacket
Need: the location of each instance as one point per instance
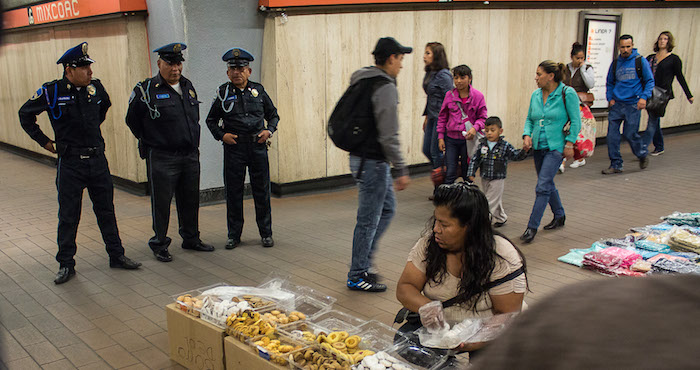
(492, 156)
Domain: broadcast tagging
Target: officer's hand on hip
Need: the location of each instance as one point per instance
(611, 103)
(264, 135)
(230, 139)
(402, 182)
(50, 147)
(641, 104)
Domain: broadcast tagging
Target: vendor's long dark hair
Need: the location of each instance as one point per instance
(468, 205)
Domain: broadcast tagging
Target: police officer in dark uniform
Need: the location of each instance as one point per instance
(164, 115)
(244, 106)
(77, 105)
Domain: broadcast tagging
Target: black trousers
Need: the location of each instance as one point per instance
(236, 158)
(74, 174)
(173, 173)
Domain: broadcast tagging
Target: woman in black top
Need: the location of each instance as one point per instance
(665, 67)
(436, 83)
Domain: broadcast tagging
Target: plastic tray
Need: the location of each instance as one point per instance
(186, 307)
(274, 356)
(416, 357)
(299, 364)
(310, 306)
(291, 328)
(377, 336)
(307, 300)
(337, 321)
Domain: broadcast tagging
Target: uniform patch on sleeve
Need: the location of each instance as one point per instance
(37, 94)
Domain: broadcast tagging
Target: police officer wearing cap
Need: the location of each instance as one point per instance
(164, 115)
(77, 105)
(237, 117)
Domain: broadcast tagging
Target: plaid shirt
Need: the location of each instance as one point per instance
(493, 163)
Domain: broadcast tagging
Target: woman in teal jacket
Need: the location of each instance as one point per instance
(544, 132)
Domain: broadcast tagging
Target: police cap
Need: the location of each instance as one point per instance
(237, 57)
(171, 53)
(76, 56)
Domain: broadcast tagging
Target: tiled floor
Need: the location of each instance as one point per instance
(106, 318)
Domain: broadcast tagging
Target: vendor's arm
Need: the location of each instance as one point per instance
(410, 286)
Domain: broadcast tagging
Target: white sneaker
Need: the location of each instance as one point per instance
(561, 168)
(578, 163)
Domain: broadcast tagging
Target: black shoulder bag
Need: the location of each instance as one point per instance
(411, 317)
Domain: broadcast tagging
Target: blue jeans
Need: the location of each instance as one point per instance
(546, 164)
(630, 130)
(430, 144)
(376, 208)
(654, 133)
(454, 150)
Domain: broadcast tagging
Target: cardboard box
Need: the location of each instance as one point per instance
(194, 343)
(242, 356)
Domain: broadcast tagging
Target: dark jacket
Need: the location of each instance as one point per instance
(166, 121)
(384, 103)
(494, 163)
(75, 115)
(666, 70)
(438, 84)
(242, 111)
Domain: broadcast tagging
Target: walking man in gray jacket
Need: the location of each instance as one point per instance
(370, 164)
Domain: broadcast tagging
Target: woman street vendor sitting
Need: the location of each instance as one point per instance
(462, 263)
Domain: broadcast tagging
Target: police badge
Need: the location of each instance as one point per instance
(177, 48)
(192, 94)
(254, 92)
(91, 90)
(84, 48)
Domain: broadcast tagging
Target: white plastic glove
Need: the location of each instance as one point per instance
(432, 316)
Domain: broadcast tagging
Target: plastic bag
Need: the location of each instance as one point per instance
(652, 246)
(575, 256)
(678, 218)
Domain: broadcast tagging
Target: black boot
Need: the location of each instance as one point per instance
(64, 274)
(556, 223)
(528, 235)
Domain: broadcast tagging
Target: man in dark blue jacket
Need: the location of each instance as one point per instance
(629, 85)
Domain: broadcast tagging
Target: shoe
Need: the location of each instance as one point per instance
(578, 163)
(64, 274)
(556, 223)
(657, 152)
(499, 224)
(199, 246)
(610, 171)
(528, 235)
(163, 255)
(267, 242)
(644, 162)
(561, 168)
(366, 284)
(124, 262)
(373, 276)
(232, 243)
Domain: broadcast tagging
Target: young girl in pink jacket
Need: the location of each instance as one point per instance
(460, 122)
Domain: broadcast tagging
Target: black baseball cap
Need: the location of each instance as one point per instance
(389, 46)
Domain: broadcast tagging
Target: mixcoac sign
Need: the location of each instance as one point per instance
(63, 10)
(53, 12)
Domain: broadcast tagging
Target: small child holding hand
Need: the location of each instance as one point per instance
(492, 156)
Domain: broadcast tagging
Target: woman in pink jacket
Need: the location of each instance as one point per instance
(460, 122)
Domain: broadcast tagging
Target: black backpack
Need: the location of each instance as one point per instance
(352, 121)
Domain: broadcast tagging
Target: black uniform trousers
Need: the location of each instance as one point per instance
(247, 153)
(174, 173)
(75, 173)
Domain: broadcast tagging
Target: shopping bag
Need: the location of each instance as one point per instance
(585, 142)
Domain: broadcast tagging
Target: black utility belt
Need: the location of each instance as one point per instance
(85, 152)
(247, 138)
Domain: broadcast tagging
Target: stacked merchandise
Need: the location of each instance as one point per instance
(672, 246)
(297, 327)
